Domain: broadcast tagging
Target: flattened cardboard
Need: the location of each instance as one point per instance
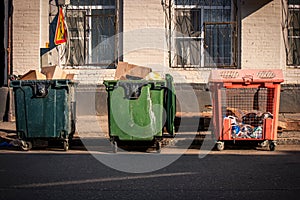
(33, 75)
(70, 76)
(54, 72)
(130, 71)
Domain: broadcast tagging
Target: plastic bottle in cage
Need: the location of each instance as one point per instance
(235, 129)
(247, 131)
(257, 132)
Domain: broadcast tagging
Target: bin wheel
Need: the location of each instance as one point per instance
(158, 147)
(66, 145)
(272, 146)
(26, 146)
(220, 146)
(115, 146)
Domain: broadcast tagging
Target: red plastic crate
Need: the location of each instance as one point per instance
(245, 105)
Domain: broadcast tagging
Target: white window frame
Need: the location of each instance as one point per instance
(201, 36)
(88, 10)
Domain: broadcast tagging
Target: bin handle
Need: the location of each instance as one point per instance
(132, 90)
(60, 83)
(248, 79)
(40, 89)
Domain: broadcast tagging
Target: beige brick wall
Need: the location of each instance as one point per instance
(91, 75)
(262, 38)
(261, 34)
(144, 39)
(44, 27)
(145, 43)
(144, 33)
(292, 76)
(190, 75)
(140, 14)
(26, 36)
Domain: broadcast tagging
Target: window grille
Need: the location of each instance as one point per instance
(205, 34)
(91, 25)
(293, 50)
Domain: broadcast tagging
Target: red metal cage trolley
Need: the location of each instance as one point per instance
(245, 105)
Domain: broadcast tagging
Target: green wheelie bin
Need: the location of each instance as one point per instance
(45, 111)
(140, 110)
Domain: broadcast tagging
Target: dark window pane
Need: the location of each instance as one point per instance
(102, 32)
(204, 2)
(188, 52)
(218, 43)
(91, 32)
(188, 22)
(92, 2)
(294, 2)
(211, 21)
(76, 20)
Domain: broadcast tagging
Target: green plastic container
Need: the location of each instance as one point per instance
(138, 110)
(45, 110)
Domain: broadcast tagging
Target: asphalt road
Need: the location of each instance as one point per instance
(230, 174)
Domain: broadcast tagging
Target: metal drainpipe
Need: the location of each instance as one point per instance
(10, 116)
(9, 40)
(5, 26)
(170, 26)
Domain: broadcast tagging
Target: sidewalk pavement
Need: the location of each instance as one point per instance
(89, 126)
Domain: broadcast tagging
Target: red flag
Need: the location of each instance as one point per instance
(61, 31)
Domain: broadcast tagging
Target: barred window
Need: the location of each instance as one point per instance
(205, 34)
(293, 50)
(91, 26)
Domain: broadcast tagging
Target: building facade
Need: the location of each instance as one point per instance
(186, 38)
